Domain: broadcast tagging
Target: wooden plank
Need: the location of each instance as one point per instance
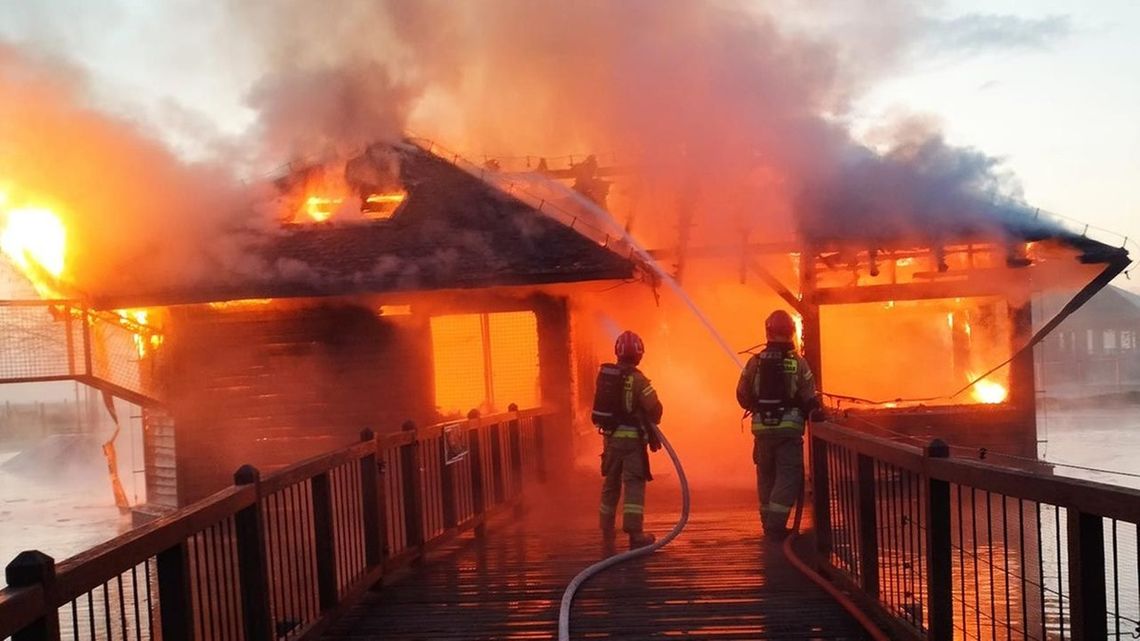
(717, 581)
(20, 607)
(253, 565)
(324, 541)
(939, 550)
(1086, 496)
(1089, 497)
(304, 470)
(868, 529)
(900, 455)
(34, 568)
(967, 288)
(87, 570)
(1087, 592)
(176, 607)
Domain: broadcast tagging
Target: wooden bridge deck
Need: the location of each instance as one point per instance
(719, 580)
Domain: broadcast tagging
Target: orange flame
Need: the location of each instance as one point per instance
(322, 208)
(146, 337)
(35, 240)
(988, 392)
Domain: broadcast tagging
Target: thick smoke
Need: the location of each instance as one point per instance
(135, 214)
(733, 114)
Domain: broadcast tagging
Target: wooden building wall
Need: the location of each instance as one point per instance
(272, 386)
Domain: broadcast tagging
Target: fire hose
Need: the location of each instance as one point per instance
(584, 575)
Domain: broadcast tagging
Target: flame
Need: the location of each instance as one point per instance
(989, 392)
(383, 206)
(321, 209)
(244, 303)
(390, 199)
(35, 239)
(146, 337)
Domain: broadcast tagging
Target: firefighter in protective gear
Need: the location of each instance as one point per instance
(778, 388)
(626, 409)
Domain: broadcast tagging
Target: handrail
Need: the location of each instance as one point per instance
(228, 564)
(917, 535)
(1111, 501)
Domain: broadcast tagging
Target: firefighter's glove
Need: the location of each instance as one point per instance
(654, 441)
(818, 415)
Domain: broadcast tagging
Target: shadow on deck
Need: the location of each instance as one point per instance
(719, 580)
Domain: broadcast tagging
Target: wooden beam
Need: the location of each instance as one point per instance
(770, 279)
(720, 251)
(910, 291)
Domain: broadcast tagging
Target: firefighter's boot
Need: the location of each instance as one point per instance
(640, 539)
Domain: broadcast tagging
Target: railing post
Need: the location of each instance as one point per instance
(1086, 576)
(514, 443)
(539, 450)
(478, 492)
(371, 512)
(253, 568)
(447, 487)
(28, 569)
(821, 496)
(175, 605)
(413, 505)
(324, 542)
(939, 558)
(497, 462)
(868, 528)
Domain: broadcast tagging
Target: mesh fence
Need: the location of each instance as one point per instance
(38, 341)
(54, 340)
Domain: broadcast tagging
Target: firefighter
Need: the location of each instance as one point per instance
(626, 411)
(778, 388)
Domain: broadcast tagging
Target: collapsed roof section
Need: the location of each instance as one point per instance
(451, 231)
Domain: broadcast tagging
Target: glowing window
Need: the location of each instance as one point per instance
(485, 361)
(457, 349)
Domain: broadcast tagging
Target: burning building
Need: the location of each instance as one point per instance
(408, 284)
(399, 287)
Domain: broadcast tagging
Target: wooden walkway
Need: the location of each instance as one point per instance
(719, 580)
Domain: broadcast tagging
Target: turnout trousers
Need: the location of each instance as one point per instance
(779, 478)
(625, 461)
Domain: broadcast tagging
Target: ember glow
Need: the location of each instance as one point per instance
(485, 362)
(986, 391)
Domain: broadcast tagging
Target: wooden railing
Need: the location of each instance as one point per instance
(280, 557)
(949, 548)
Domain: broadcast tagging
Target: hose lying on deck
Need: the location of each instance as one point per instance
(584, 575)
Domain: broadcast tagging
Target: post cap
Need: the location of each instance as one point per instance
(30, 567)
(937, 448)
(246, 474)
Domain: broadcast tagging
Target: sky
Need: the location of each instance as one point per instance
(1061, 108)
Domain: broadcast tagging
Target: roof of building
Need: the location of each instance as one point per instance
(452, 231)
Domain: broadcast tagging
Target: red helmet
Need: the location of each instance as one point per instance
(629, 347)
(780, 327)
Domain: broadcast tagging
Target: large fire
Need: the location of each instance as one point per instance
(35, 240)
